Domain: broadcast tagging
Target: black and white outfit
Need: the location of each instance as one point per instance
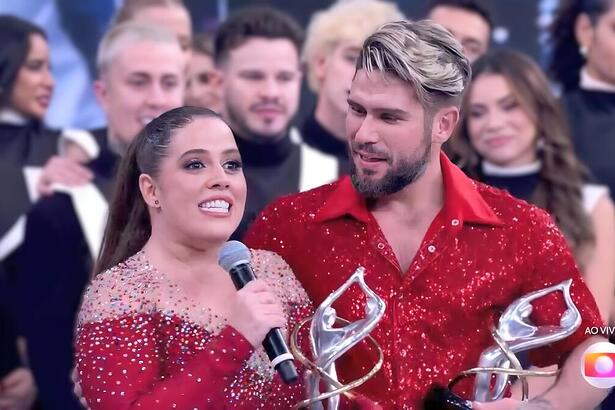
(319, 138)
(281, 167)
(522, 181)
(62, 236)
(591, 112)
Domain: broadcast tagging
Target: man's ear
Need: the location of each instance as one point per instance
(319, 67)
(101, 92)
(443, 124)
(149, 191)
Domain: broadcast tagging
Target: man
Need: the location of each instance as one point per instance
(333, 40)
(468, 20)
(257, 52)
(446, 254)
(141, 75)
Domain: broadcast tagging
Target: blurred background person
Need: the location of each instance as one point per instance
(333, 39)
(204, 87)
(583, 61)
(257, 51)
(515, 136)
(28, 157)
(469, 20)
(141, 74)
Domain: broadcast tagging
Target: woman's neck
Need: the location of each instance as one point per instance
(182, 260)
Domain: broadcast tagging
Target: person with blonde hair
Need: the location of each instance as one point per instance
(446, 253)
(332, 44)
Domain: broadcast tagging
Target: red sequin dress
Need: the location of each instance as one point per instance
(141, 343)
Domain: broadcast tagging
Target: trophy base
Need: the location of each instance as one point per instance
(440, 398)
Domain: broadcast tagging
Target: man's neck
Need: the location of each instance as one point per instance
(114, 143)
(330, 118)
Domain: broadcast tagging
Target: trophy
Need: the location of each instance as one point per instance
(329, 342)
(515, 333)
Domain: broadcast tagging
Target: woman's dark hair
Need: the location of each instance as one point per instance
(562, 175)
(14, 48)
(566, 59)
(128, 226)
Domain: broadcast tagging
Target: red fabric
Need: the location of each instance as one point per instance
(482, 251)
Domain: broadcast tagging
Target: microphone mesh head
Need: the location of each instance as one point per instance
(232, 254)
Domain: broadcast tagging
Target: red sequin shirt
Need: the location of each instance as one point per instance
(482, 251)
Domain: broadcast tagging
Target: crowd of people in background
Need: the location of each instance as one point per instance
(546, 136)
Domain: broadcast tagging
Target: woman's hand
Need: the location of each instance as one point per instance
(255, 311)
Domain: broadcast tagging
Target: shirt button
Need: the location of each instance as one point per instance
(431, 249)
(455, 222)
(380, 245)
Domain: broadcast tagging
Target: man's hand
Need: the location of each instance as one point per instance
(62, 171)
(17, 390)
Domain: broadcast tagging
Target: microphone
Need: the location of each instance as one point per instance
(234, 257)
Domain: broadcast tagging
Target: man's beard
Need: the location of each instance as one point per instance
(239, 126)
(405, 172)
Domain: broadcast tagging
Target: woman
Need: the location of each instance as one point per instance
(162, 324)
(582, 61)
(513, 136)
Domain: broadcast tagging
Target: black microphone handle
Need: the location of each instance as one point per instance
(285, 367)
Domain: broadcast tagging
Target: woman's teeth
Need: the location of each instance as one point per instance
(219, 205)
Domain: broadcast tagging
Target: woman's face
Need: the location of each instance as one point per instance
(201, 188)
(599, 41)
(34, 84)
(500, 129)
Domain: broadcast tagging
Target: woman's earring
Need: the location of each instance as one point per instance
(156, 202)
(540, 144)
(583, 50)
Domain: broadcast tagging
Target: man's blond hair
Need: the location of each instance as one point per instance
(345, 21)
(124, 34)
(423, 54)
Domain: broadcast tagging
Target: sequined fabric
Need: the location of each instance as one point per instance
(141, 343)
(482, 251)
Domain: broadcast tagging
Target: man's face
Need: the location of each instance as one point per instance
(335, 72)
(469, 28)
(388, 141)
(144, 80)
(261, 83)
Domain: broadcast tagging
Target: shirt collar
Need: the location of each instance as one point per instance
(10, 116)
(462, 200)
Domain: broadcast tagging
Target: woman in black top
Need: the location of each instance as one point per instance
(582, 62)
